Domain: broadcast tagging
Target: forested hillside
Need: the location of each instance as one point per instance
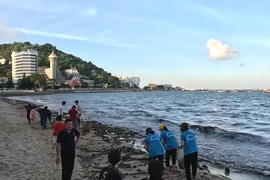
(65, 61)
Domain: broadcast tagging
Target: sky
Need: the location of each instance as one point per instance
(187, 43)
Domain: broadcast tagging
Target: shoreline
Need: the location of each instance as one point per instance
(31, 93)
(94, 146)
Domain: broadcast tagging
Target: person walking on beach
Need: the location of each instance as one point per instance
(153, 146)
(28, 110)
(65, 147)
(61, 108)
(45, 114)
(58, 127)
(169, 141)
(111, 172)
(188, 142)
(32, 116)
(74, 115)
(79, 109)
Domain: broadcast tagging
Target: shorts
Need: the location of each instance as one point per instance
(54, 139)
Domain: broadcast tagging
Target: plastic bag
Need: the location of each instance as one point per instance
(180, 157)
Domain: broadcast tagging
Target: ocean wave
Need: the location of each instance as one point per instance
(231, 135)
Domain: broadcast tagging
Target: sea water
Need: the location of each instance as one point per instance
(232, 129)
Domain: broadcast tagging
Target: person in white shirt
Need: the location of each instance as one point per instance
(61, 108)
(79, 109)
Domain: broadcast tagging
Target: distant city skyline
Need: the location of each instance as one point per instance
(188, 43)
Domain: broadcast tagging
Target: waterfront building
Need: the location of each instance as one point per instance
(24, 63)
(52, 73)
(73, 73)
(133, 81)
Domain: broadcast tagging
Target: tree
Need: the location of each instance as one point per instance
(84, 85)
(113, 80)
(25, 83)
(86, 69)
(39, 80)
(9, 83)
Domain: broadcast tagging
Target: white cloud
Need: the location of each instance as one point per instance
(6, 33)
(219, 51)
(210, 12)
(104, 41)
(200, 9)
(91, 12)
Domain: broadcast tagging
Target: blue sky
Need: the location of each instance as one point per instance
(163, 41)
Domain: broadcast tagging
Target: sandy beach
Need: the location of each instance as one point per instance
(27, 153)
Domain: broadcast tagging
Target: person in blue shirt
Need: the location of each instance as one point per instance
(153, 146)
(188, 142)
(169, 141)
(111, 172)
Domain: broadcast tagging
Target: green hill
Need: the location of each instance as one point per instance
(65, 61)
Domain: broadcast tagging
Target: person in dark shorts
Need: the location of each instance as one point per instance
(153, 145)
(111, 172)
(66, 143)
(169, 141)
(155, 170)
(188, 142)
(28, 110)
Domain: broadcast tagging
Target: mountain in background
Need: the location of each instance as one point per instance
(87, 69)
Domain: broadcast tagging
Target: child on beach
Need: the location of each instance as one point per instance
(111, 172)
(32, 116)
(169, 141)
(58, 127)
(188, 142)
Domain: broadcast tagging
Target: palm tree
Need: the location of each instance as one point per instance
(39, 80)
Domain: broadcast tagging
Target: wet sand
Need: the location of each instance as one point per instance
(27, 153)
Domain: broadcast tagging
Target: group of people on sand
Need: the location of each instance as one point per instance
(66, 136)
(158, 145)
(45, 114)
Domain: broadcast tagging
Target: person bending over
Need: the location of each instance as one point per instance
(169, 141)
(155, 169)
(111, 172)
(188, 142)
(154, 146)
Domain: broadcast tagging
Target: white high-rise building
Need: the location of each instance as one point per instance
(133, 80)
(24, 62)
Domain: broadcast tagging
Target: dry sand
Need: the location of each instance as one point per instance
(27, 154)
